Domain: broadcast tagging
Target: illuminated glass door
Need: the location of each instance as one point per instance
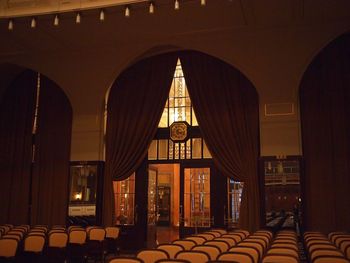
(196, 198)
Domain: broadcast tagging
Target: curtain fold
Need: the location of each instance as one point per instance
(16, 122)
(227, 109)
(325, 114)
(52, 155)
(135, 105)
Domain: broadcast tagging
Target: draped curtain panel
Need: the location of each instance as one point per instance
(52, 154)
(227, 108)
(325, 115)
(135, 105)
(16, 121)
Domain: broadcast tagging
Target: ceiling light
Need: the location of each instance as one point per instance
(151, 8)
(177, 5)
(33, 23)
(10, 25)
(102, 15)
(56, 20)
(203, 2)
(78, 18)
(127, 11)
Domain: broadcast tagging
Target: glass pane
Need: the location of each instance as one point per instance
(182, 150)
(194, 119)
(196, 148)
(83, 186)
(234, 201)
(197, 197)
(164, 119)
(163, 149)
(152, 196)
(172, 116)
(171, 149)
(188, 114)
(152, 150)
(206, 153)
(188, 149)
(177, 151)
(180, 114)
(124, 194)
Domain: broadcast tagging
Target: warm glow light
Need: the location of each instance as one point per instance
(177, 5)
(102, 15)
(78, 196)
(151, 8)
(127, 11)
(33, 23)
(203, 2)
(56, 21)
(78, 18)
(10, 26)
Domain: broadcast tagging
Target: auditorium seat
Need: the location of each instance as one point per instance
(125, 260)
(236, 256)
(193, 256)
(152, 255)
(186, 244)
(171, 249)
(222, 245)
(8, 248)
(212, 251)
(197, 239)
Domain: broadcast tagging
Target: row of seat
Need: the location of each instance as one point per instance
(332, 248)
(57, 244)
(212, 246)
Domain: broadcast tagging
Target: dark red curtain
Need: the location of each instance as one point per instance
(325, 115)
(16, 122)
(227, 108)
(52, 154)
(135, 105)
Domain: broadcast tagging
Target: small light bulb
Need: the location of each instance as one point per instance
(127, 11)
(56, 20)
(177, 5)
(78, 18)
(102, 15)
(10, 26)
(203, 2)
(33, 23)
(151, 8)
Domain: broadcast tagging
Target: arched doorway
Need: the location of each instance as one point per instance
(196, 186)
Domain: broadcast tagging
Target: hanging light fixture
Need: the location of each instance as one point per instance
(177, 5)
(78, 18)
(33, 23)
(56, 20)
(203, 2)
(127, 11)
(102, 15)
(151, 8)
(10, 25)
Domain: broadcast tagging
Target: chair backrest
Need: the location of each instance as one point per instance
(171, 249)
(253, 245)
(328, 259)
(172, 261)
(207, 236)
(112, 232)
(253, 252)
(212, 251)
(241, 257)
(187, 244)
(193, 256)
(287, 245)
(34, 243)
(77, 236)
(198, 240)
(325, 252)
(283, 251)
(221, 231)
(214, 233)
(237, 238)
(97, 234)
(222, 245)
(8, 247)
(58, 239)
(125, 260)
(278, 258)
(152, 255)
(230, 241)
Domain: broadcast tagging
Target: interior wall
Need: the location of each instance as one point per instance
(273, 51)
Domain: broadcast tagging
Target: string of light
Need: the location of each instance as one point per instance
(102, 14)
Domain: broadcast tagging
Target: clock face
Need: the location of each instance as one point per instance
(178, 131)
